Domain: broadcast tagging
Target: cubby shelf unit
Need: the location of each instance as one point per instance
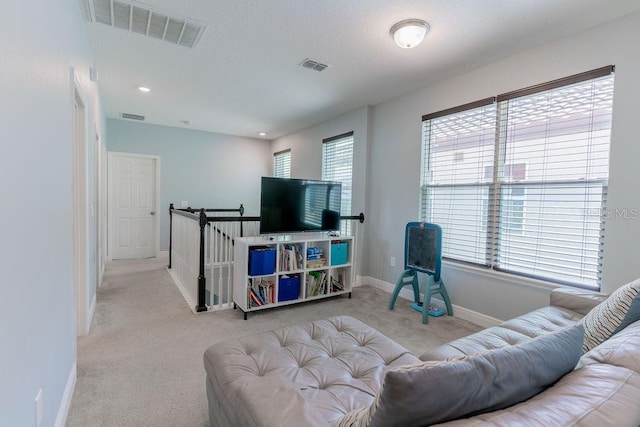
(296, 255)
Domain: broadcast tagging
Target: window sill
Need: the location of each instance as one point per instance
(505, 277)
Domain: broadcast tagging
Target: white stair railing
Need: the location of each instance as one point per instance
(222, 235)
(185, 251)
(204, 275)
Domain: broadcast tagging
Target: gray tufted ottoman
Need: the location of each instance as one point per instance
(300, 375)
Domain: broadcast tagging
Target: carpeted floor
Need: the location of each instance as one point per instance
(141, 364)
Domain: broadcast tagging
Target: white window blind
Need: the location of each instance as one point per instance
(337, 165)
(455, 188)
(282, 164)
(520, 185)
(562, 134)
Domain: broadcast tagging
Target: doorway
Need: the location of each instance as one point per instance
(134, 228)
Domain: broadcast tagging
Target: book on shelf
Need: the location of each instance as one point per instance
(314, 251)
(291, 257)
(316, 283)
(254, 301)
(337, 284)
(316, 263)
(261, 292)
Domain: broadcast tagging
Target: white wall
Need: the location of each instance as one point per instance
(209, 170)
(39, 44)
(306, 159)
(396, 149)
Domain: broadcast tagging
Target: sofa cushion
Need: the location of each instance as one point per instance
(515, 331)
(619, 310)
(597, 395)
(432, 392)
(622, 349)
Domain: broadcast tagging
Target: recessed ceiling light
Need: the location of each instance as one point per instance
(144, 89)
(262, 134)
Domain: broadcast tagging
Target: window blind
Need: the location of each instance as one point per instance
(519, 182)
(562, 135)
(282, 164)
(455, 187)
(337, 165)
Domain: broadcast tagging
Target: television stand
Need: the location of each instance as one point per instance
(291, 268)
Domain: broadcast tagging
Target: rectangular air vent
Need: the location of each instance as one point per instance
(132, 116)
(142, 19)
(313, 65)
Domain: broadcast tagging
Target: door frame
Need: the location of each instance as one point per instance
(99, 206)
(110, 203)
(80, 208)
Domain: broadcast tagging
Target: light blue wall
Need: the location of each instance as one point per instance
(206, 169)
(39, 44)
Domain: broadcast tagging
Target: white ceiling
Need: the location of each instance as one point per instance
(243, 77)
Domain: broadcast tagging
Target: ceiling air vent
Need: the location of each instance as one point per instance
(142, 19)
(313, 65)
(132, 116)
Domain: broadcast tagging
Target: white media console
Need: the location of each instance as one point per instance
(291, 268)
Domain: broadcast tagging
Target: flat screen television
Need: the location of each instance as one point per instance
(296, 205)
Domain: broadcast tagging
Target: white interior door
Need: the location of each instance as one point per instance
(133, 206)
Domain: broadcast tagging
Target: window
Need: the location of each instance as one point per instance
(519, 182)
(282, 164)
(337, 165)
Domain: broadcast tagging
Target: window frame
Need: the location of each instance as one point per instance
(347, 182)
(284, 156)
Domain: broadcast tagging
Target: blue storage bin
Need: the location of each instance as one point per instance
(288, 288)
(339, 253)
(262, 261)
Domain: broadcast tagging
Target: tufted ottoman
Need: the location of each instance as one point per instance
(300, 375)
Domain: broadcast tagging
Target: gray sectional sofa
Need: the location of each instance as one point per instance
(530, 370)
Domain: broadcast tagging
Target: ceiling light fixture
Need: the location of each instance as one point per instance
(409, 33)
(144, 89)
(262, 134)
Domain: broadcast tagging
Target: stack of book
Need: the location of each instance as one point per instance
(315, 258)
(261, 293)
(337, 283)
(290, 257)
(316, 283)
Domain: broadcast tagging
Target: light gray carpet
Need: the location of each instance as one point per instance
(141, 364)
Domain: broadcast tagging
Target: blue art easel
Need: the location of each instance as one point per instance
(423, 254)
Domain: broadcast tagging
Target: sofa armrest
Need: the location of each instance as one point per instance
(578, 300)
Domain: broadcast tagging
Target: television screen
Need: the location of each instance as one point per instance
(297, 205)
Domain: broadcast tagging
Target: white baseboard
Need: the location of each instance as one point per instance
(65, 403)
(163, 254)
(183, 291)
(407, 293)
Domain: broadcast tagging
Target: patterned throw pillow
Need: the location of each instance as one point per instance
(438, 391)
(612, 315)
